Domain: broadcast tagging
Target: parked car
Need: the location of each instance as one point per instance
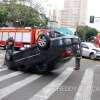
(90, 50)
(45, 54)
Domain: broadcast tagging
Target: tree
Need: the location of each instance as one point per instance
(85, 32)
(23, 14)
(90, 33)
(3, 15)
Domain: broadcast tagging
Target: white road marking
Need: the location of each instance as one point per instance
(2, 78)
(85, 89)
(3, 66)
(0, 66)
(18, 85)
(48, 90)
(2, 54)
(97, 65)
(3, 69)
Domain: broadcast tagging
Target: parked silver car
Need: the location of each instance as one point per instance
(90, 50)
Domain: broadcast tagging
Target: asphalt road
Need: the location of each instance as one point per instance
(61, 84)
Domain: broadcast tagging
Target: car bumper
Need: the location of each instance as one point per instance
(97, 56)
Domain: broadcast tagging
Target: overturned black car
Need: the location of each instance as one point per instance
(45, 54)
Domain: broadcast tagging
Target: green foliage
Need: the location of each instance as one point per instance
(21, 14)
(85, 32)
(3, 14)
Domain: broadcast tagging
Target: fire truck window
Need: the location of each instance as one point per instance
(12, 34)
(18, 37)
(26, 37)
(5, 36)
(0, 35)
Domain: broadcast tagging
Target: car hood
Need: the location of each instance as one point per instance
(96, 49)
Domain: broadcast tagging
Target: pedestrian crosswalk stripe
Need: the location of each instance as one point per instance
(48, 90)
(1, 66)
(2, 78)
(18, 85)
(85, 89)
(3, 69)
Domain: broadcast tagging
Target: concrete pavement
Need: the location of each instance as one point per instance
(61, 84)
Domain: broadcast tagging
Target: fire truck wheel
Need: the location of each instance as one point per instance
(43, 41)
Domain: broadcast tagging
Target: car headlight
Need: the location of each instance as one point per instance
(98, 52)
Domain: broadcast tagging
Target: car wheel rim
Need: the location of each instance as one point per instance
(92, 56)
(42, 41)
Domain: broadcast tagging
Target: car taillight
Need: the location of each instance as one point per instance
(66, 54)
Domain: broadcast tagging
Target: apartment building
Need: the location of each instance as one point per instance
(74, 13)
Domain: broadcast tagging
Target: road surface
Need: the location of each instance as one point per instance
(61, 84)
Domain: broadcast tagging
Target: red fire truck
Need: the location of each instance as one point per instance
(24, 37)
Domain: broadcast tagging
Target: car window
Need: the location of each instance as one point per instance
(84, 46)
(54, 34)
(92, 46)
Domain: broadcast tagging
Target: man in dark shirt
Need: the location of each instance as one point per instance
(77, 53)
(77, 58)
(9, 48)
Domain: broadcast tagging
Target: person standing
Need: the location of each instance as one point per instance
(77, 53)
(9, 49)
(77, 58)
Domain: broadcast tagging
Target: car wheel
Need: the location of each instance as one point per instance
(43, 41)
(92, 56)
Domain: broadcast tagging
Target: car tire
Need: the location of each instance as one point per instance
(92, 56)
(43, 41)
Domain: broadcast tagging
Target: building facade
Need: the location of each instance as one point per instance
(74, 13)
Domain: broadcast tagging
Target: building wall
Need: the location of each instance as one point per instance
(74, 13)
